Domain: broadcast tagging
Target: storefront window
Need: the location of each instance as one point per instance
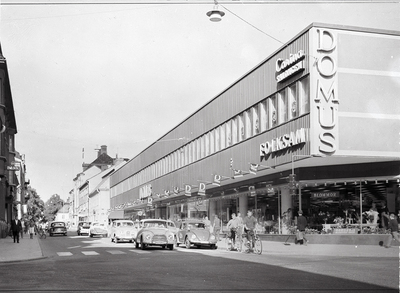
(304, 96)
(263, 116)
(293, 105)
(256, 120)
(283, 107)
(273, 115)
(234, 130)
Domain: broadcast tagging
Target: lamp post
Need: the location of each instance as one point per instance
(292, 176)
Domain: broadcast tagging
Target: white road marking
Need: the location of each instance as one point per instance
(116, 252)
(90, 253)
(64, 253)
(139, 251)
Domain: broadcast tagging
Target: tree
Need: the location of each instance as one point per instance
(35, 207)
(52, 206)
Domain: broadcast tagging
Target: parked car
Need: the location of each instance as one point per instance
(57, 228)
(98, 229)
(194, 232)
(83, 228)
(155, 233)
(123, 230)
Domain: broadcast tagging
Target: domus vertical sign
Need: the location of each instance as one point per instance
(324, 95)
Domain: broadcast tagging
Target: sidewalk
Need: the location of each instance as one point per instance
(26, 249)
(337, 250)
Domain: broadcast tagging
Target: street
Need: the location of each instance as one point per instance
(80, 263)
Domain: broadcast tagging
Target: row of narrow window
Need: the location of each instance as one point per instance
(286, 105)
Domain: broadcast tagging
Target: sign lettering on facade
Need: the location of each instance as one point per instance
(324, 194)
(325, 99)
(288, 67)
(282, 142)
(145, 191)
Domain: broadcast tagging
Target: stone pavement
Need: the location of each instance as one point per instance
(26, 249)
(29, 249)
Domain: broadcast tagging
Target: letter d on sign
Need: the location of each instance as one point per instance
(202, 189)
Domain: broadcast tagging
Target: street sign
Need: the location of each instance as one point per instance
(13, 168)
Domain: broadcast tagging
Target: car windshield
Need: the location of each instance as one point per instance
(154, 224)
(124, 224)
(196, 226)
(57, 225)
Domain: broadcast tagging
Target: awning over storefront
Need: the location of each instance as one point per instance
(116, 215)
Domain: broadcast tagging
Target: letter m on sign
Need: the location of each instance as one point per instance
(327, 95)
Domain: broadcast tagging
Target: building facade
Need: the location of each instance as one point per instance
(11, 200)
(315, 126)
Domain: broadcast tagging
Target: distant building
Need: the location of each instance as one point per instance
(63, 215)
(85, 183)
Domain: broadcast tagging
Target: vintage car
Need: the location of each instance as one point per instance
(155, 232)
(194, 232)
(123, 230)
(57, 228)
(98, 229)
(83, 228)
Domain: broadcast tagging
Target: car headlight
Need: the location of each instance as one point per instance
(171, 237)
(148, 236)
(193, 237)
(212, 237)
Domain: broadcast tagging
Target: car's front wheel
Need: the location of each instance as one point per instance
(187, 243)
(136, 244)
(171, 247)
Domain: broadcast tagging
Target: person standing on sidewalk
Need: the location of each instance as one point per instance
(217, 227)
(394, 230)
(301, 228)
(16, 228)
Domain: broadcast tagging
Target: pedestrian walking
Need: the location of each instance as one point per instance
(31, 229)
(301, 228)
(16, 228)
(394, 231)
(217, 227)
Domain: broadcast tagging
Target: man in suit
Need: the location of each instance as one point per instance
(16, 228)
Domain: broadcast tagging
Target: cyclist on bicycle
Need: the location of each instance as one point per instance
(232, 226)
(249, 223)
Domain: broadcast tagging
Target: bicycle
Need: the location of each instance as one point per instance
(41, 232)
(247, 245)
(237, 244)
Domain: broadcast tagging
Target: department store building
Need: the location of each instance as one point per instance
(325, 108)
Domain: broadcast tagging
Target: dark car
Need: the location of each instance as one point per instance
(57, 228)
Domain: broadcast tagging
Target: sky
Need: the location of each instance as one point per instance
(123, 75)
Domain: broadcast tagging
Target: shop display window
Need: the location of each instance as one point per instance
(222, 136)
(255, 120)
(228, 133)
(263, 117)
(234, 123)
(273, 115)
(304, 96)
(241, 127)
(217, 143)
(292, 102)
(212, 142)
(283, 107)
(248, 126)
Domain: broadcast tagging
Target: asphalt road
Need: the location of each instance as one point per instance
(79, 263)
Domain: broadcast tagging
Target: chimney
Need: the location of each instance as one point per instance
(102, 150)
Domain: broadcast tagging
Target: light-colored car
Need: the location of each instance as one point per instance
(83, 228)
(155, 232)
(194, 232)
(98, 229)
(123, 230)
